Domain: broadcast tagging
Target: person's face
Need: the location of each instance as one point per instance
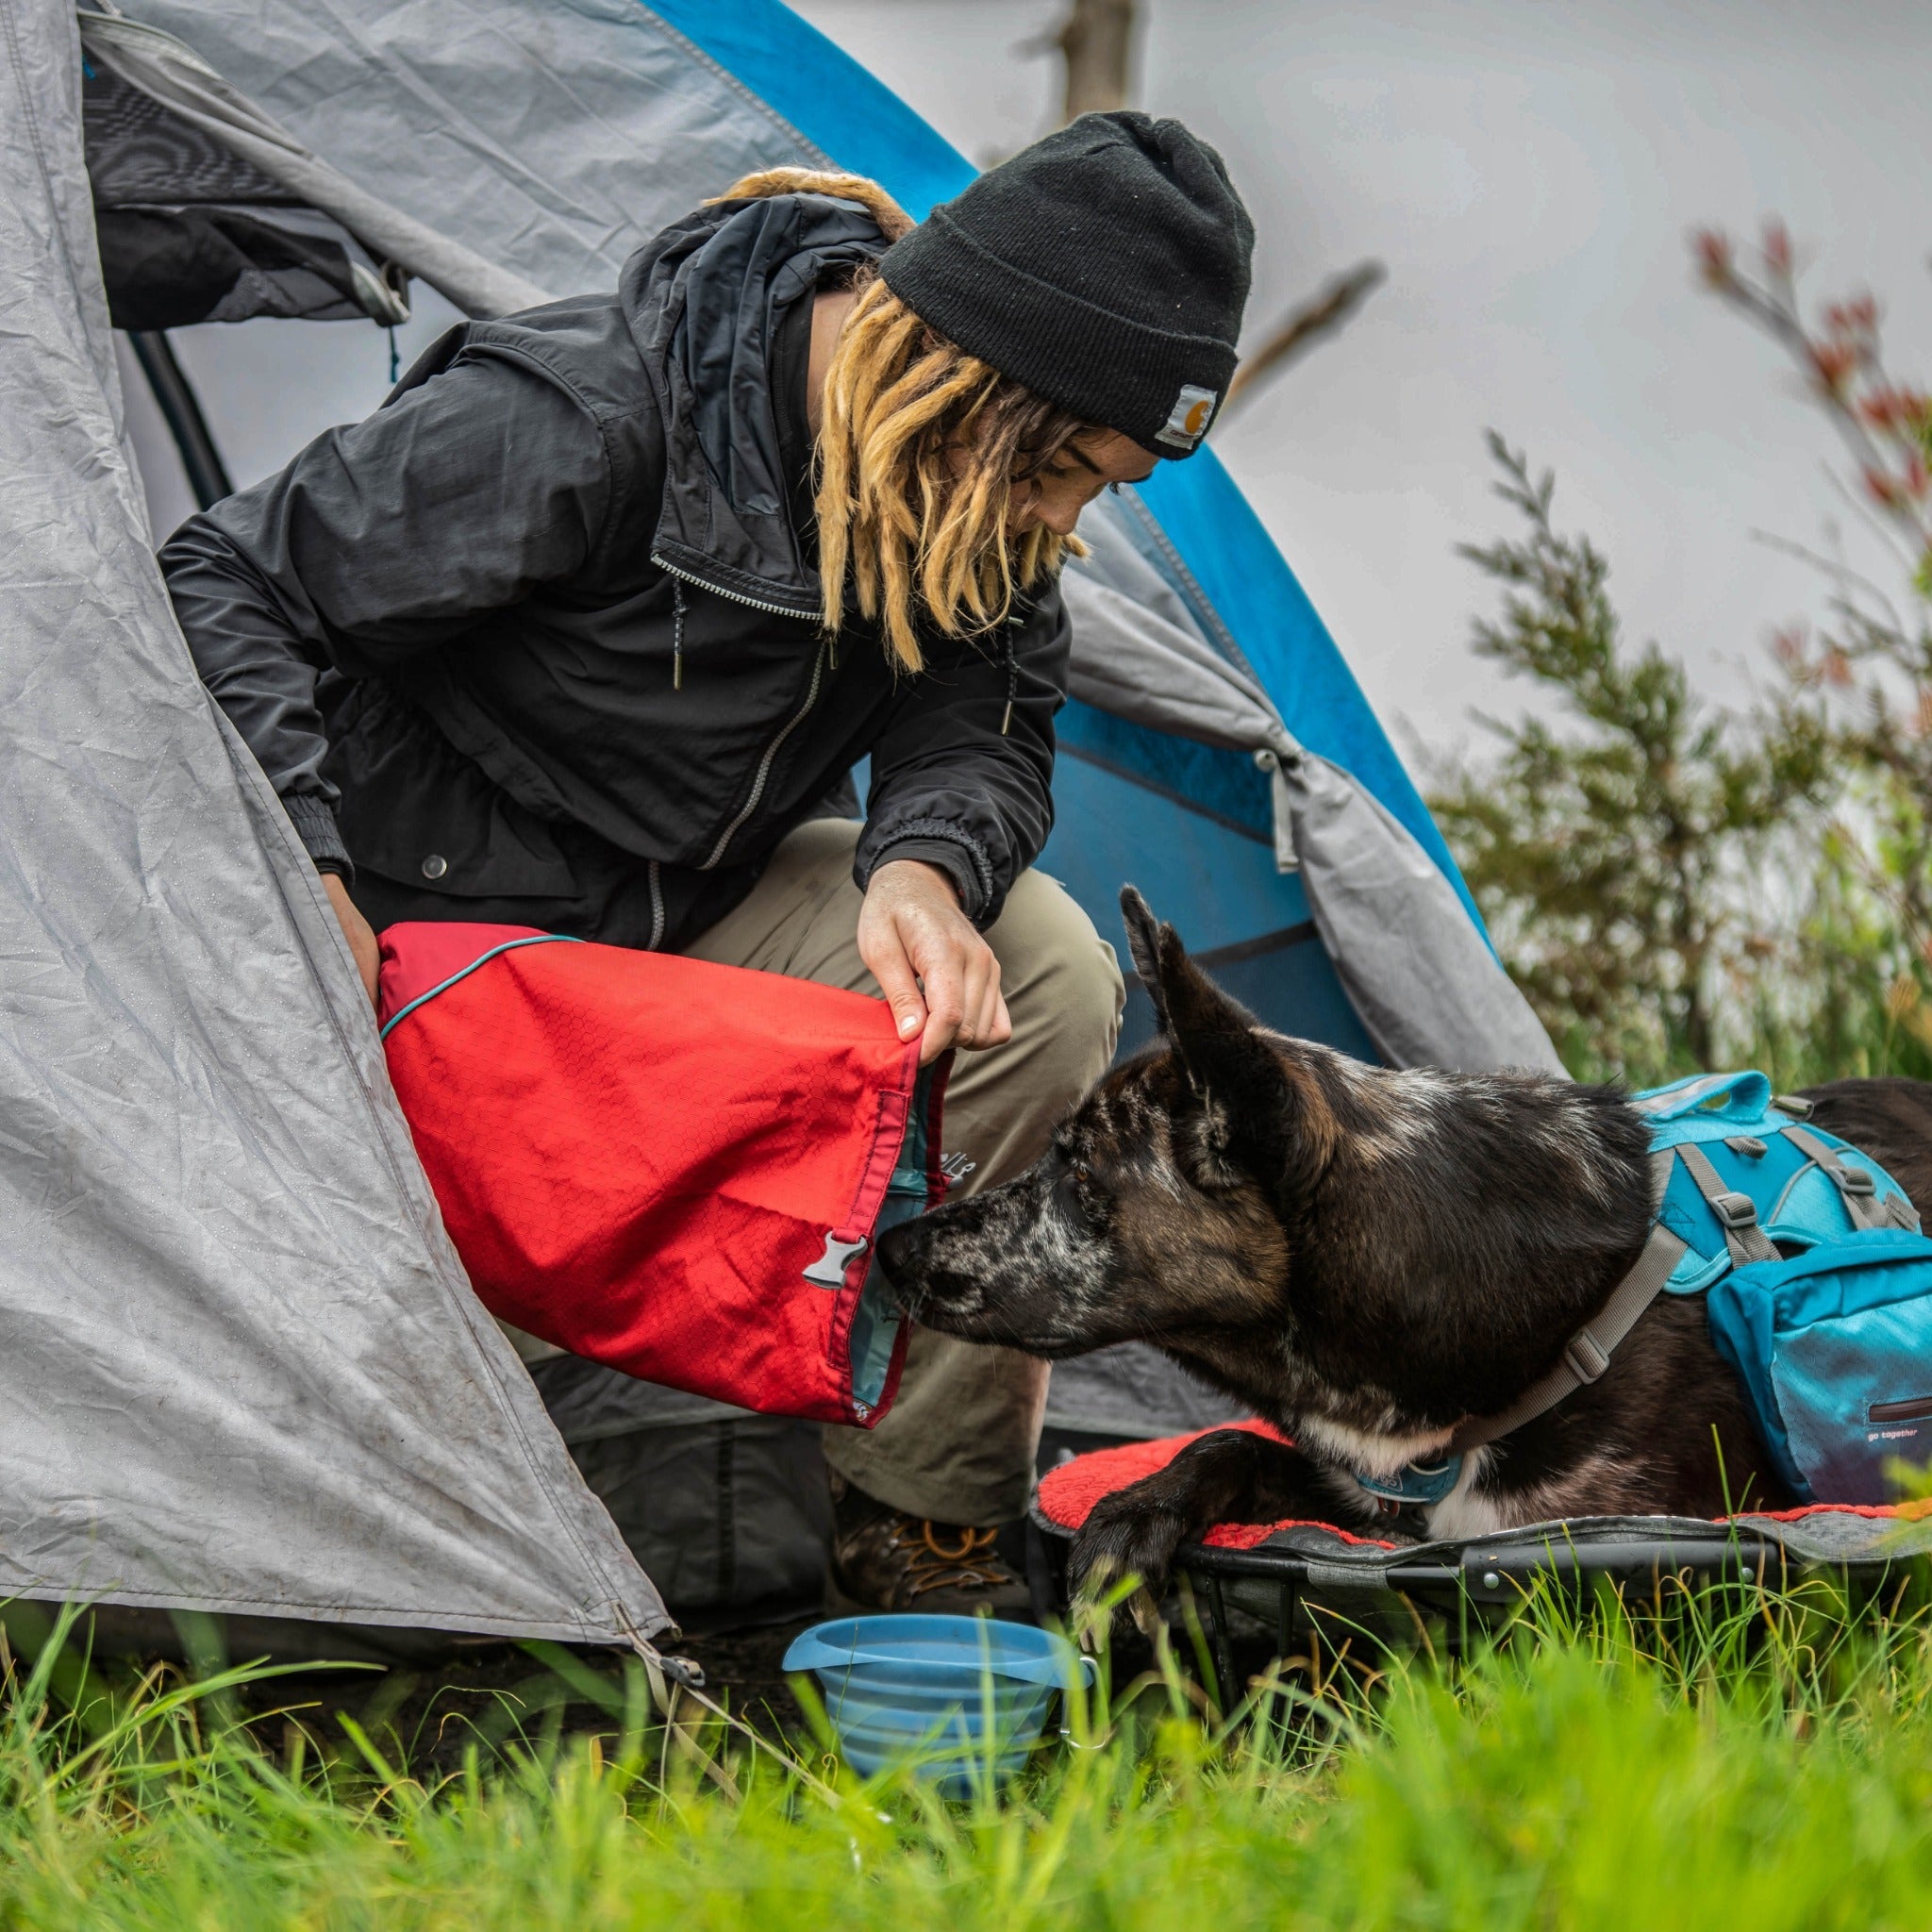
(1054, 499)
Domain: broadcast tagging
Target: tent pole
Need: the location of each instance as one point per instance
(207, 476)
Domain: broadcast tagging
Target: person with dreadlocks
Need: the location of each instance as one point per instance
(586, 628)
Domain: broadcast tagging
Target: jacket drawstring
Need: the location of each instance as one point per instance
(676, 633)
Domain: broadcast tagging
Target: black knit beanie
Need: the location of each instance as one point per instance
(1105, 267)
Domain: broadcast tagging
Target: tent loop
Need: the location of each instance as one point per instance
(1281, 759)
(672, 1677)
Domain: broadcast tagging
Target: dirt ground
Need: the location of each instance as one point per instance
(500, 1693)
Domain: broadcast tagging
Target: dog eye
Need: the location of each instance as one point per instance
(1082, 1201)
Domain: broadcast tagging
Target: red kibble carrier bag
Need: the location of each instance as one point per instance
(675, 1168)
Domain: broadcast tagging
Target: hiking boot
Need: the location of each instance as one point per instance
(883, 1559)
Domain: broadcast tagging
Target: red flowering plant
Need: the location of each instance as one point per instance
(1675, 884)
(1871, 658)
(1885, 425)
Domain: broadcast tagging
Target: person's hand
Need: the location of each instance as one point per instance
(357, 930)
(912, 932)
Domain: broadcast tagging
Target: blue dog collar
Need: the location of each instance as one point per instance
(1415, 1483)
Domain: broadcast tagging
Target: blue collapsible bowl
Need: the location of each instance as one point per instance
(953, 1698)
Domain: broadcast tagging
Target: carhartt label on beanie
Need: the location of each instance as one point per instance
(1106, 268)
(1188, 420)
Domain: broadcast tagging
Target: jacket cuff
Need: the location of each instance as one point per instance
(315, 826)
(955, 856)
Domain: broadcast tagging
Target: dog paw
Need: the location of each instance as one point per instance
(1123, 1540)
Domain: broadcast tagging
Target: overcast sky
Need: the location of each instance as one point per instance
(1530, 173)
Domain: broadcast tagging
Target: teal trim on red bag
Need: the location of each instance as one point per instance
(534, 939)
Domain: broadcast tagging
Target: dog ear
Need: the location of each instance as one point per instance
(1200, 1020)
(1144, 937)
(1250, 1105)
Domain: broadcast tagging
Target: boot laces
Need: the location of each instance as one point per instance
(935, 1562)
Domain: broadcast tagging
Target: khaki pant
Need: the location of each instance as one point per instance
(959, 1442)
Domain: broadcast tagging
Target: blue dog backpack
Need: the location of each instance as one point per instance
(1818, 1281)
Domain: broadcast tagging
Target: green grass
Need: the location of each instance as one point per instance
(1764, 1763)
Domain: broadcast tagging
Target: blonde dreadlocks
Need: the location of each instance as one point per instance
(918, 456)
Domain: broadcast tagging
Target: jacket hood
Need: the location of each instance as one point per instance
(704, 302)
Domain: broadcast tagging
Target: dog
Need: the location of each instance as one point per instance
(1367, 1260)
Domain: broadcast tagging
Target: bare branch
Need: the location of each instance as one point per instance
(1322, 315)
(1097, 41)
(1836, 569)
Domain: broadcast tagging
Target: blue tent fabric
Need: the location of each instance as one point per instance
(839, 107)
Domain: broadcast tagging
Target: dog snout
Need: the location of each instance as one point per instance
(921, 1261)
(894, 1256)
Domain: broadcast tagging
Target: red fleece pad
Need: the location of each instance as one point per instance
(1068, 1493)
(1901, 1512)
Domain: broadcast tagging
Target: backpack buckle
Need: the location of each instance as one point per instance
(1586, 1356)
(1855, 1180)
(1735, 1210)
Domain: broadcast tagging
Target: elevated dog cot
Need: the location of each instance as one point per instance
(1288, 1575)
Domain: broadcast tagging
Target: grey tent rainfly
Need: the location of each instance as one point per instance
(246, 1374)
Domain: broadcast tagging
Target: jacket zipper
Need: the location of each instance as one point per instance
(772, 751)
(671, 570)
(657, 907)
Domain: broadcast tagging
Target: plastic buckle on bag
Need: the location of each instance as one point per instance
(828, 1271)
(1734, 1211)
(1855, 1180)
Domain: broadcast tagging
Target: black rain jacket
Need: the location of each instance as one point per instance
(538, 643)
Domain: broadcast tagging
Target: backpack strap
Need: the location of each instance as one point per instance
(1736, 1213)
(1856, 1187)
(1587, 1353)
